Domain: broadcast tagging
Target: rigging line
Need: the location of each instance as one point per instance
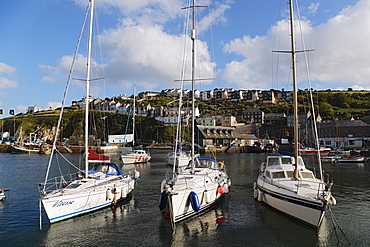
(182, 75)
(100, 51)
(311, 97)
(65, 94)
(212, 41)
(276, 39)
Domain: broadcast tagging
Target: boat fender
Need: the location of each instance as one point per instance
(226, 187)
(137, 174)
(114, 191)
(255, 190)
(220, 190)
(194, 201)
(206, 196)
(332, 200)
(222, 165)
(108, 194)
(162, 200)
(124, 192)
(260, 195)
(229, 182)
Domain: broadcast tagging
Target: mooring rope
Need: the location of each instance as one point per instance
(336, 225)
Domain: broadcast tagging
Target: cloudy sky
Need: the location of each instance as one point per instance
(142, 42)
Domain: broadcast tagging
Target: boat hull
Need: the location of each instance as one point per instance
(24, 150)
(134, 160)
(65, 204)
(304, 209)
(191, 193)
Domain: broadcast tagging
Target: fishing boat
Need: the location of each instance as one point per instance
(203, 183)
(285, 183)
(137, 155)
(87, 190)
(31, 147)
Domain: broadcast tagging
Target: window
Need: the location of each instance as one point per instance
(278, 175)
(307, 175)
(290, 174)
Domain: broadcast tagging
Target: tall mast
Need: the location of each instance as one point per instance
(295, 97)
(88, 88)
(192, 85)
(133, 119)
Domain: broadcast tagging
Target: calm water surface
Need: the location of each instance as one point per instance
(237, 221)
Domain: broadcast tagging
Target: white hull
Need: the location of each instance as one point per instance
(138, 156)
(204, 182)
(356, 159)
(92, 195)
(305, 198)
(302, 208)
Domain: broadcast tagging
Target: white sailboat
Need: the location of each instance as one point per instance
(67, 196)
(178, 157)
(202, 184)
(285, 183)
(136, 156)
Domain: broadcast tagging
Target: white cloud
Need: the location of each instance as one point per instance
(20, 108)
(5, 71)
(313, 8)
(139, 51)
(52, 105)
(340, 58)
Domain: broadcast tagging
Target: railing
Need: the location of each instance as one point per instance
(57, 183)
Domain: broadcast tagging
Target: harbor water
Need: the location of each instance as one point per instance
(238, 220)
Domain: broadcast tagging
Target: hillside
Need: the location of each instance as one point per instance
(330, 105)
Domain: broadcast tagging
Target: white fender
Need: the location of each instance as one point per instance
(108, 194)
(206, 198)
(332, 200)
(255, 190)
(226, 188)
(260, 195)
(124, 192)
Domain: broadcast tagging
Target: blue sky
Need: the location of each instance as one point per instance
(141, 43)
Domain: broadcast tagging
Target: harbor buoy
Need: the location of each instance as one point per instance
(194, 201)
(162, 200)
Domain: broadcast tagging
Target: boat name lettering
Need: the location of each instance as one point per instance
(62, 203)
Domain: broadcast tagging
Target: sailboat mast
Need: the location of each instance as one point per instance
(295, 97)
(133, 120)
(88, 88)
(192, 85)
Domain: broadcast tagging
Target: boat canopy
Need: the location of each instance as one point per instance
(205, 163)
(105, 168)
